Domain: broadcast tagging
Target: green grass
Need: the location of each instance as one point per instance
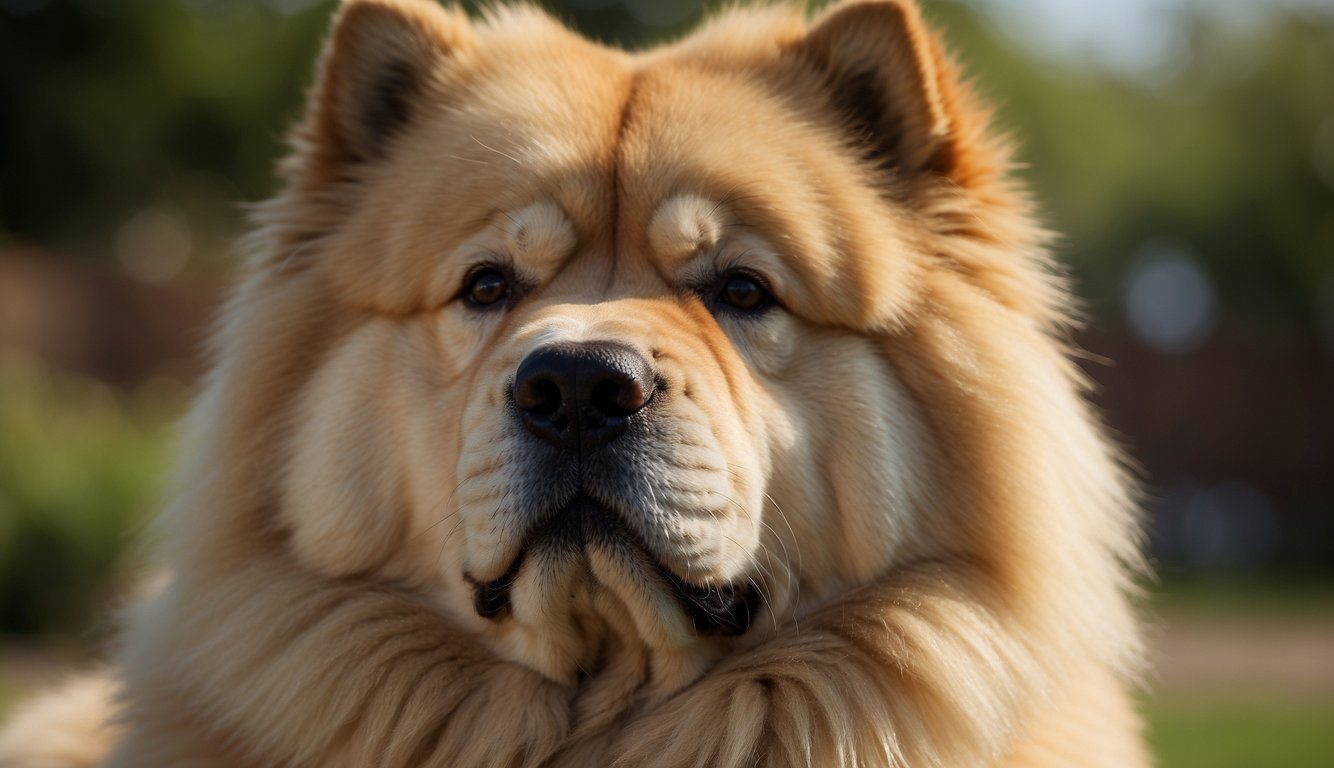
(1234, 730)
(9, 694)
(1263, 597)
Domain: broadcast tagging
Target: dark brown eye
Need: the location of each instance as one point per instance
(742, 291)
(486, 286)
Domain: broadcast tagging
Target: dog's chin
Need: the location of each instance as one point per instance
(589, 531)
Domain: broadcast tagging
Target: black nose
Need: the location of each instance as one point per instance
(579, 397)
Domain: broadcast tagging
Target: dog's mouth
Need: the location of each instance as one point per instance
(721, 610)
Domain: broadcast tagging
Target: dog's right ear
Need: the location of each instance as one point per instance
(384, 61)
(885, 74)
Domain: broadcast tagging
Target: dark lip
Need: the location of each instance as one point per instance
(491, 599)
(723, 610)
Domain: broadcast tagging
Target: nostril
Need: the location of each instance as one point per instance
(617, 397)
(539, 397)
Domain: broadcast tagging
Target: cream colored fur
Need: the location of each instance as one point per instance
(898, 455)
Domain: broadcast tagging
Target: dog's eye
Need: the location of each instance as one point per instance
(742, 291)
(486, 287)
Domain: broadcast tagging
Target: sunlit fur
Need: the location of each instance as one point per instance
(898, 456)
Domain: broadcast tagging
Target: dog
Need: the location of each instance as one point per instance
(705, 406)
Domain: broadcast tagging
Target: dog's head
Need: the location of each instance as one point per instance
(597, 348)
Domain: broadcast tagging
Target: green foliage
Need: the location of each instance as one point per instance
(118, 105)
(80, 466)
(1229, 154)
(1237, 730)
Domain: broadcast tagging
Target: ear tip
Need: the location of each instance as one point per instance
(860, 19)
(428, 14)
(908, 10)
(390, 4)
(361, 26)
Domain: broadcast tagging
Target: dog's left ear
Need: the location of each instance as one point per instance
(884, 74)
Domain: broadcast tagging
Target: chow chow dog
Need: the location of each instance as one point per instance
(706, 406)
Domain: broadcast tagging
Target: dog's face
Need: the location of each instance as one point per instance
(604, 343)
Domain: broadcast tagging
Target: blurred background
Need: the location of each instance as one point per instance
(1185, 149)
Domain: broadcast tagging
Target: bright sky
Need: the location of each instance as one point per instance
(1126, 34)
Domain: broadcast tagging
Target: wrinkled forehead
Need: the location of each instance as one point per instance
(630, 167)
(718, 159)
(745, 164)
(518, 132)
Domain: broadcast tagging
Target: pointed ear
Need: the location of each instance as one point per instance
(383, 61)
(884, 73)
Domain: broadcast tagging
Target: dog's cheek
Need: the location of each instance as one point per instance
(343, 497)
(767, 344)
